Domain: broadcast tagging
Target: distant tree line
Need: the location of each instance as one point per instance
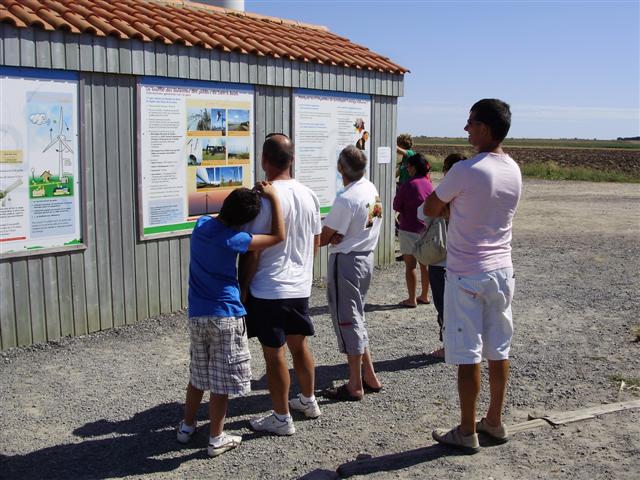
(624, 139)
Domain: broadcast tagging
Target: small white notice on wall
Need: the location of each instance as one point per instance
(384, 155)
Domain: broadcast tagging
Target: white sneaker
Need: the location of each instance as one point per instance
(270, 423)
(310, 409)
(183, 434)
(226, 443)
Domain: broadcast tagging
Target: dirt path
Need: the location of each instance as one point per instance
(104, 406)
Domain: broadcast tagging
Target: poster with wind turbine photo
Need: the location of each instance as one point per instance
(39, 181)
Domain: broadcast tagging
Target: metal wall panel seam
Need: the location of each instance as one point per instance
(27, 48)
(114, 196)
(8, 337)
(99, 52)
(90, 262)
(21, 295)
(51, 298)
(11, 45)
(43, 49)
(149, 55)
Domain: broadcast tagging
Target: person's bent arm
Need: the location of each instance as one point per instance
(260, 242)
(316, 244)
(326, 235)
(433, 206)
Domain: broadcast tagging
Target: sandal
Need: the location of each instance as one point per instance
(341, 394)
(406, 304)
(439, 353)
(369, 389)
(424, 302)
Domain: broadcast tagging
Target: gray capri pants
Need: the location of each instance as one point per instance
(348, 281)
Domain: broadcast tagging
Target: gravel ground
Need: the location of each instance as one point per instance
(105, 405)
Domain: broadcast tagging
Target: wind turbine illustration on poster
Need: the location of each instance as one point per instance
(62, 146)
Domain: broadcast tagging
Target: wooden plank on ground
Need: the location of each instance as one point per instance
(562, 418)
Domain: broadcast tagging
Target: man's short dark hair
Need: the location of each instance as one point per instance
(278, 150)
(420, 163)
(353, 162)
(241, 206)
(494, 113)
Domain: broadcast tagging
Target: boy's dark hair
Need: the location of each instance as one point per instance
(353, 162)
(420, 163)
(278, 150)
(241, 206)
(451, 160)
(494, 113)
(404, 141)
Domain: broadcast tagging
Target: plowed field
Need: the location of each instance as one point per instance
(605, 159)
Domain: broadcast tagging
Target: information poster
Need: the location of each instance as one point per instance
(39, 172)
(195, 147)
(324, 124)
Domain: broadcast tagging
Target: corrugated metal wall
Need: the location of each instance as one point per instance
(118, 279)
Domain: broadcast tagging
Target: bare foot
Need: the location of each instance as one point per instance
(424, 299)
(408, 303)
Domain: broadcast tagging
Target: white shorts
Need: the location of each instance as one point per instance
(407, 241)
(477, 316)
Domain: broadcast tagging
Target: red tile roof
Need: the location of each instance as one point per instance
(195, 24)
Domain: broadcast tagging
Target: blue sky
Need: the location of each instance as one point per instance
(568, 68)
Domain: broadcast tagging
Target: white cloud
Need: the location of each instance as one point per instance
(39, 118)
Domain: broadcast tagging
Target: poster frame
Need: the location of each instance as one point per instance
(53, 74)
(324, 211)
(143, 81)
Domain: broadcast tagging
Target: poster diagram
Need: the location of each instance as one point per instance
(325, 123)
(39, 180)
(196, 146)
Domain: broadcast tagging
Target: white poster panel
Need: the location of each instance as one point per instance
(324, 124)
(195, 147)
(39, 171)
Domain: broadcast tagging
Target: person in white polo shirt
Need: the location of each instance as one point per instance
(351, 230)
(279, 286)
(483, 193)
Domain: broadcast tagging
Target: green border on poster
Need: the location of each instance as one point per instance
(169, 228)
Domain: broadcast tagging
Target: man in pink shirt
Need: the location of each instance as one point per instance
(483, 193)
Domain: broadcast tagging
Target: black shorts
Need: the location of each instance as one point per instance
(272, 320)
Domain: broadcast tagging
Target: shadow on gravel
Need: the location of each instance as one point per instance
(327, 374)
(142, 444)
(117, 457)
(365, 465)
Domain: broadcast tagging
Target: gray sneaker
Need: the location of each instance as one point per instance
(498, 434)
(454, 438)
(270, 423)
(226, 443)
(310, 409)
(183, 435)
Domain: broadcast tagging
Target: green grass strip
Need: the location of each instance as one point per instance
(553, 171)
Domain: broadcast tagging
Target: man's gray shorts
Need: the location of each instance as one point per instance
(347, 285)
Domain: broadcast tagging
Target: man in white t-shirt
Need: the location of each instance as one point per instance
(280, 285)
(351, 230)
(483, 193)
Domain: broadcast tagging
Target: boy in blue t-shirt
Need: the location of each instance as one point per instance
(220, 358)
